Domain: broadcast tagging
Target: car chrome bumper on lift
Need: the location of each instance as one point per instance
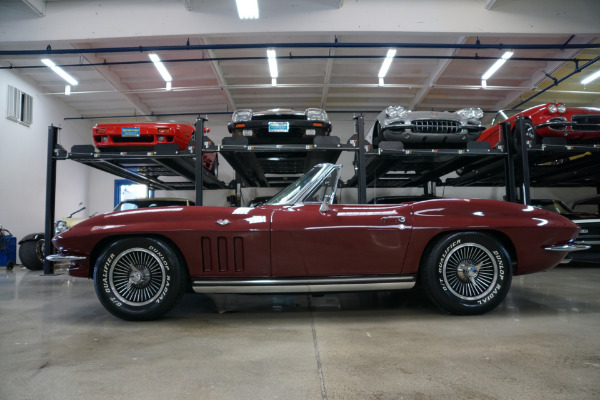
(63, 258)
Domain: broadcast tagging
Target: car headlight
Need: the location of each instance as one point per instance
(561, 108)
(552, 108)
(316, 114)
(395, 112)
(242, 115)
(471, 113)
(60, 227)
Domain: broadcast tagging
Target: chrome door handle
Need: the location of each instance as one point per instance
(398, 217)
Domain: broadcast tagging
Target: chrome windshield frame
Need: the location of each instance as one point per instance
(298, 197)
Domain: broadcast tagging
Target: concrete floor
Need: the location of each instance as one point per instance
(543, 342)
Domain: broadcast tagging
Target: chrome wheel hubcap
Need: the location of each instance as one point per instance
(470, 271)
(137, 276)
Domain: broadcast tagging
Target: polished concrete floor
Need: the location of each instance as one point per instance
(543, 342)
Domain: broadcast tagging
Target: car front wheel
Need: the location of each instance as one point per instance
(139, 279)
(466, 273)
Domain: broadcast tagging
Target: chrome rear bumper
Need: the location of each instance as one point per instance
(567, 247)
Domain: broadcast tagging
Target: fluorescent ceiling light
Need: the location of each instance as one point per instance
(497, 65)
(272, 58)
(381, 83)
(484, 83)
(160, 67)
(67, 90)
(50, 64)
(247, 9)
(591, 77)
(273, 81)
(386, 63)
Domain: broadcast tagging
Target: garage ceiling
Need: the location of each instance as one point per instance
(323, 67)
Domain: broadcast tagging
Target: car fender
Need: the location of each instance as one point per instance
(32, 237)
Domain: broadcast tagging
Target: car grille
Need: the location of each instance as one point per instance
(282, 117)
(586, 123)
(436, 126)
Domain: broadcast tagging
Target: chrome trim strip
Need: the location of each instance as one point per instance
(317, 285)
(567, 247)
(63, 258)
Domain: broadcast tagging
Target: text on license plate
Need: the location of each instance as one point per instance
(130, 132)
(279, 126)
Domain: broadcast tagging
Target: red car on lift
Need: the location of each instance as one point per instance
(576, 124)
(136, 136)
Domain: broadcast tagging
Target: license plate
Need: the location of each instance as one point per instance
(130, 132)
(279, 126)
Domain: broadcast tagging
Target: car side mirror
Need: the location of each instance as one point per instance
(325, 204)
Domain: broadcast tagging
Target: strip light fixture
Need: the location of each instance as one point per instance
(495, 67)
(162, 70)
(247, 9)
(272, 59)
(387, 62)
(591, 78)
(62, 73)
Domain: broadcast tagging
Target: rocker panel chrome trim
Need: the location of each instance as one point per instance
(314, 285)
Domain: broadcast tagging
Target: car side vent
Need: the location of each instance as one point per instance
(225, 256)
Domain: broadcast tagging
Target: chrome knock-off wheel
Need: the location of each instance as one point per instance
(470, 271)
(137, 276)
(466, 272)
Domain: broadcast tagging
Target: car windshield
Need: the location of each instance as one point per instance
(503, 115)
(292, 193)
(144, 203)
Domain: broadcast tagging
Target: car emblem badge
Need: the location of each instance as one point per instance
(223, 222)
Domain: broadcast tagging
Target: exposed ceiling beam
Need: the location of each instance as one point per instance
(538, 76)
(435, 75)
(328, 69)
(221, 79)
(116, 82)
(489, 4)
(39, 6)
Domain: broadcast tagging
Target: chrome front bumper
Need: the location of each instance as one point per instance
(64, 258)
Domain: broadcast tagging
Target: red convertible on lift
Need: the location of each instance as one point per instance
(463, 251)
(576, 124)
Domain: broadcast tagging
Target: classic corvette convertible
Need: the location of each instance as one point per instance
(463, 251)
(576, 124)
(426, 128)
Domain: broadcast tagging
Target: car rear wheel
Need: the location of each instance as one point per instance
(466, 273)
(139, 279)
(31, 254)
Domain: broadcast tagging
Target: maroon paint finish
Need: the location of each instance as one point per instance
(347, 240)
(540, 115)
(288, 241)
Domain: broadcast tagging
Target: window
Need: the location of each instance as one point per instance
(126, 190)
(19, 106)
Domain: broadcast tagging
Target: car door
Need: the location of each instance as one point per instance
(345, 240)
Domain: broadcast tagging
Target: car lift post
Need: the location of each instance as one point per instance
(362, 170)
(50, 198)
(199, 167)
(525, 183)
(509, 167)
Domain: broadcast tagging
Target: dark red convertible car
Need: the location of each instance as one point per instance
(576, 124)
(463, 251)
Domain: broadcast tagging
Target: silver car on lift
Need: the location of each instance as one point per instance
(426, 129)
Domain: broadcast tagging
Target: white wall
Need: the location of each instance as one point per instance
(23, 161)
